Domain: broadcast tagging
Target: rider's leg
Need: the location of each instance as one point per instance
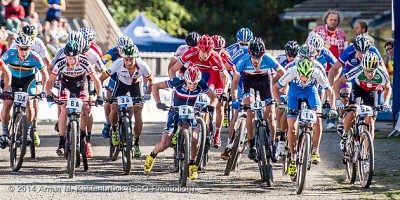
(371, 122)
(219, 111)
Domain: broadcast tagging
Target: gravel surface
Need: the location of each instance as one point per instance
(45, 177)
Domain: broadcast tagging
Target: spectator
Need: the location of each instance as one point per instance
(29, 7)
(334, 37)
(15, 13)
(3, 5)
(361, 27)
(55, 8)
(3, 42)
(388, 58)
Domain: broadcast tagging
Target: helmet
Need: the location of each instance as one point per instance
(88, 33)
(72, 48)
(74, 36)
(291, 48)
(306, 51)
(192, 74)
(316, 41)
(361, 43)
(219, 41)
(257, 47)
(305, 67)
(205, 43)
(244, 35)
(192, 38)
(370, 61)
(83, 45)
(29, 30)
(124, 40)
(129, 51)
(24, 40)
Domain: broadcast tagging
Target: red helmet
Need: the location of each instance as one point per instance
(219, 41)
(205, 43)
(192, 73)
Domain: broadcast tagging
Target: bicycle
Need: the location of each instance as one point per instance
(210, 132)
(263, 140)
(125, 133)
(307, 118)
(74, 142)
(359, 147)
(240, 142)
(18, 138)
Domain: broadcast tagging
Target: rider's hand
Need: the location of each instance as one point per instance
(210, 109)
(386, 107)
(161, 106)
(235, 104)
(146, 97)
(50, 98)
(6, 95)
(99, 100)
(43, 95)
(282, 107)
(333, 114)
(224, 97)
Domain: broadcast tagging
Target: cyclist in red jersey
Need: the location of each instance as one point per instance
(207, 60)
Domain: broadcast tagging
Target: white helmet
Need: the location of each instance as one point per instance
(315, 40)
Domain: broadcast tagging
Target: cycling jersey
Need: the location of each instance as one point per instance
(282, 59)
(357, 75)
(233, 48)
(59, 53)
(326, 58)
(267, 63)
(239, 54)
(73, 73)
(96, 48)
(214, 62)
(20, 69)
(180, 51)
(349, 59)
(95, 60)
(111, 55)
(38, 47)
(182, 95)
(123, 74)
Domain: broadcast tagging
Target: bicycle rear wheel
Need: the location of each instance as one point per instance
(201, 141)
(351, 166)
(84, 157)
(184, 148)
(18, 141)
(303, 155)
(264, 161)
(126, 147)
(32, 144)
(71, 156)
(366, 159)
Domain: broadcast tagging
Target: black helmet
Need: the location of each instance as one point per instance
(257, 47)
(192, 38)
(29, 30)
(72, 48)
(129, 51)
(291, 48)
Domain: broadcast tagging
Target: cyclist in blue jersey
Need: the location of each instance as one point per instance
(302, 80)
(108, 58)
(243, 37)
(187, 88)
(256, 67)
(24, 64)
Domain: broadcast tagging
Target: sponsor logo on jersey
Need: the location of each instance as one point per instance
(377, 76)
(34, 57)
(187, 57)
(12, 53)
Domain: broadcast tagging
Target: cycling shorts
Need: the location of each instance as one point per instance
(77, 89)
(121, 89)
(262, 83)
(27, 84)
(310, 96)
(172, 123)
(367, 97)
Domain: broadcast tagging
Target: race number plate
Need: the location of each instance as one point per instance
(21, 98)
(74, 105)
(308, 116)
(186, 112)
(202, 100)
(365, 110)
(124, 101)
(258, 105)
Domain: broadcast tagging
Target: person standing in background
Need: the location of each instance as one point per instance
(55, 8)
(15, 13)
(29, 6)
(388, 58)
(361, 27)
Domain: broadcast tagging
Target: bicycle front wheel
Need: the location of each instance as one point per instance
(366, 159)
(235, 153)
(184, 148)
(71, 156)
(304, 146)
(126, 140)
(265, 161)
(351, 166)
(201, 141)
(18, 141)
(32, 144)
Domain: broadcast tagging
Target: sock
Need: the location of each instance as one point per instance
(191, 162)
(153, 155)
(114, 128)
(252, 142)
(293, 156)
(315, 150)
(88, 136)
(62, 141)
(136, 141)
(83, 134)
(5, 129)
(108, 120)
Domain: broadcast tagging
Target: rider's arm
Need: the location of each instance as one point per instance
(172, 71)
(337, 83)
(45, 75)
(224, 79)
(103, 77)
(235, 83)
(149, 84)
(50, 83)
(213, 98)
(335, 72)
(155, 89)
(275, 92)
(331, 96)
(7, 76)
(97, 83)
(172, 62)
(387, 92)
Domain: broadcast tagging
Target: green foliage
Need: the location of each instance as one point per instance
(221, 17)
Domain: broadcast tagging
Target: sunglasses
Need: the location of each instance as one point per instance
(256, 57)
(217, 49)
(243, 43)
(389, 48)
(24, 49)
(370, 71)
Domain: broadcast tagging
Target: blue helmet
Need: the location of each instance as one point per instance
(244, 35)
